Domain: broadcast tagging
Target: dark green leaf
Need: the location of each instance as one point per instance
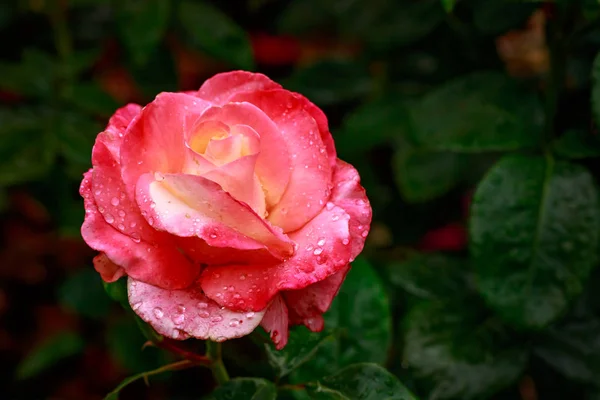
(90, 98)
(360, 382)
(48, 353)
(459, 350)
(245, 389)
(331, 81)
(372, 124)
(125, 344)
(576, 144)
(596, 89)
(214, 32)
(422, 175)
(486, 15)
(429, 276)
(159, 74)
(76, 134)
(448, 4)
(34, 76)
(118, 291)
(301, 16)
(142, 25)
(361, 315)
(301, 347)
(27, 148)
(484, 111)
(534, 233)
(82, 293)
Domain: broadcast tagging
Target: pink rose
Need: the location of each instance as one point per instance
(226, 208)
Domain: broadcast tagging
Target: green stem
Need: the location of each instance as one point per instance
(213, 352)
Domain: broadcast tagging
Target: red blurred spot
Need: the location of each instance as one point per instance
(452, 237)
(275, 50)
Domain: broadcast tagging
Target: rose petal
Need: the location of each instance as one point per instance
(188, 205)
(220, 88)
(322, 251)
(275, 321)
(326, 137)
(145, 254)
(179, 314)
(108, 270)
(155, 139)
(112, 137)
(348, 194)
(273, 162)
(308, 186)
(306, 306)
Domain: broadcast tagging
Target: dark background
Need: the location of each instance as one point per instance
(385, 72)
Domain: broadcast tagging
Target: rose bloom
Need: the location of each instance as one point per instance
(226, 208)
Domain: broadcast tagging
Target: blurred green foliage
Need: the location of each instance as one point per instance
(432, 101)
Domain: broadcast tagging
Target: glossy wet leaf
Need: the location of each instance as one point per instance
(245, 389)
(429, 276)
(83, 294)
(360, 382)
(534, 229)
(301, 347)
(142, 25)
(459, 350)
(331, 81)
(214, 32)
(484, 111)
(360, 316)
(48, 353)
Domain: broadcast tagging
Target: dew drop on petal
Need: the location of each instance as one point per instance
(114, 201)
(135, 237)
(250, 315)
(216, 318)
(109, 218)
(158, 312)
(178, 319)
(317, 251)
(202, 305)
(321, 242)
(242, 277)
(136, 306)
(346, 241)
(204, 314)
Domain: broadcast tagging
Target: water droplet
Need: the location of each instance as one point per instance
(158, 312)
(101, 209)
(329, 206)
(216, 318)
(204, 314)
(321, 242)
(220, 339)
(114, 201)
(234, 323)
(364, 234)
(345, 241)
(335, 217)
(121, 227)
(122, 213)
(97, 192)
(109, 218)
(153, 205)
(136, 237)
(136, 306)
(178, 319)
(213, 236)
(250, 315)
(216, 275)
(242, 277)
(150, 221)
(181, 308)
(317, 251)
(202, 305)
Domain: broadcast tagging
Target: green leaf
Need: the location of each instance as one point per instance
(27, 148)
(576, 144)
(596, 89)
(372, 124)
(142, 25)
(484, 111)
(245, 389)
(514, 14)
(54, 349)
(89, 97)
(34, 76)
(159, 74)
(125, 343)
(422, 175)
(301, 16)
(76, 135)
(459, 350)
(301, 347)
(331, 81)
(117, 291)
(83, 293)
(448, 5)
(360, 382)
(114, 395)
(214, 32)
(534, 231)
(361, 315)
(429, 276)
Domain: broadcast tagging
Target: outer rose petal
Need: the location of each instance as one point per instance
(112, 136)
(326, 137)
(180, 314)
(308, 188)
(155, 141)
(113, 224)
(323, 249)
(275, 322)
(307, 305)
(222, 87)
(188, 205)
(108, 270)
(348, 194)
